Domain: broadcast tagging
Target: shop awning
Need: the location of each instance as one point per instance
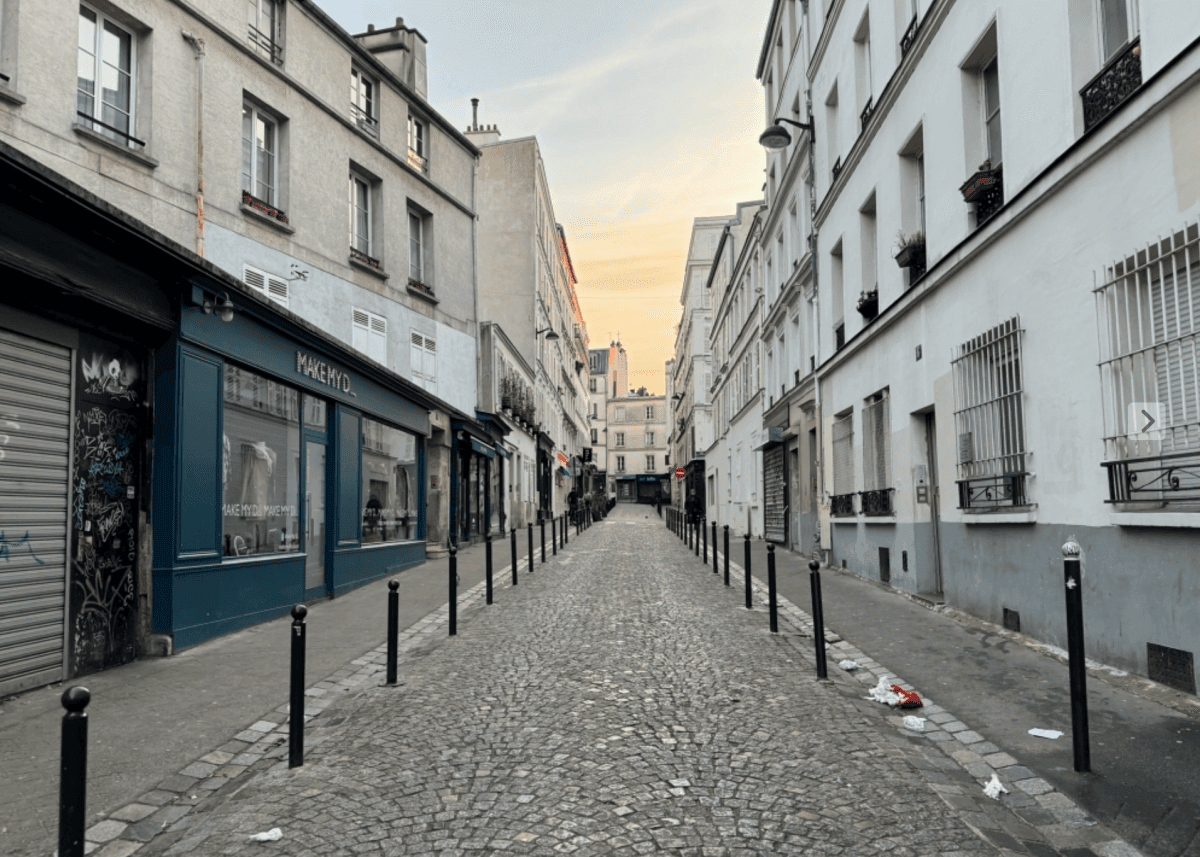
(482, 448)
(505, 452)
(564, 471)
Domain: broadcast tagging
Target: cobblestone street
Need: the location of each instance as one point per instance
(618, 701)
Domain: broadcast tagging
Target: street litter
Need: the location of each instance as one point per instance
(880, 693)
(915, 723)
(272, 835)
(908, 698)
(993, 788)
(848, 665)
(1046, 733)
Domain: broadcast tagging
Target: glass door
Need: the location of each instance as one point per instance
(314, 516)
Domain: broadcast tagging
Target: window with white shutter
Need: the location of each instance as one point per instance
(370, 334)
(275, 288)
(423, 359)
(876, 456)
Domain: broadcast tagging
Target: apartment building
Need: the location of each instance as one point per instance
(639, 468)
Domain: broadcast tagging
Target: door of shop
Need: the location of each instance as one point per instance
(315, 580)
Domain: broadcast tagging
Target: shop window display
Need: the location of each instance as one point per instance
(389, 483)
(261, 465)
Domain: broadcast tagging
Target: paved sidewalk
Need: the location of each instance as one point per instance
(622, 704)
(1145, 737)
(154, 717)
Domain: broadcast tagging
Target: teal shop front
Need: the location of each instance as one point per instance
(286, 469)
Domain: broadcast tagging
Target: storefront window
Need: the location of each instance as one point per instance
(389, 484)
(261, 465)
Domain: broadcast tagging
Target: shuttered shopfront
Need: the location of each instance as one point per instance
(775, 494)
(35, 419)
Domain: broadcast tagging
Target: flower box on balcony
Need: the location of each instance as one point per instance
(912, 250)
(983, 181)
(868, 303)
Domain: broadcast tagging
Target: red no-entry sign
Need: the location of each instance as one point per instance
(680, 473)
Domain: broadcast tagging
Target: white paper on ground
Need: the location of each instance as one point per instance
(916, 723)
(994, 787)
(882, 692)
(848, 665)
(272, 835)
(1046, 733)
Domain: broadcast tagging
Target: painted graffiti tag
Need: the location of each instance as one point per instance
(6, 546)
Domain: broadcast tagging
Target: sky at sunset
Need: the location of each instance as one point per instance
(647, 113)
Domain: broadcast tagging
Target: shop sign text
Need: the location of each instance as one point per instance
(321, 371)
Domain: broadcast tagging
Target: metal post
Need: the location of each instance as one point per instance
(531, 547)
(543, 541)
(554, 537)
(1075, 661)
(727, 554)
(818, 616)
(746, 568)
(453, 583)
(296, 707)
(514, 555)
(566, 529)
(393, 629)
(488, 565)
(771, 589)
(697, 529)
(704, 535)
(72, 776)
(714, 547)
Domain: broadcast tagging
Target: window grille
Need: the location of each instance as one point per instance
(1148, 315)
(843, 454)
(876, 455)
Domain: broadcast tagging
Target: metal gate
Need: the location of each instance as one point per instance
(35, 425)
(775, 503)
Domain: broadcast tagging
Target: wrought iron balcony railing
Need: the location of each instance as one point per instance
(266, 45)
(989, 201)
(877, 502)
(364, 120)
(1171, 478)
(989, 493)
(837, 168)
(910, 36)
(363, 259)
(842, 505)
(1108, 90)
(865, 116)
(262, 206)
(417, 161)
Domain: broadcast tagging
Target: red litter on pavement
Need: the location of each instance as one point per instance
(908, 698)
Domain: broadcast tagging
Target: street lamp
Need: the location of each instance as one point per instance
(221, 306)
(777, 137)
(550, 334)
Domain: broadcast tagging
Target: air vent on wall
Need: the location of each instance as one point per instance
(1012, 620)
(1172, 667)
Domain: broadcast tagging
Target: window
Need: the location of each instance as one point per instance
(106, 56)
(389, 483)
(1115, 21)
(265, 29)
(419, 258)
(991, 111)
(649, 438)
(260, 445)
(595, 436)
(620, 464)
(921, 190)
(649, 463)
(595, 411)
(275, 288)
(843, 463)
(650, 412)
(418, 153)
(876, 423)
(370, 334)
(363, 94)
(423, 360)
(360, 215)
(260, 146)
(862, 61)
(620, 415)
(620, 438)
(591, 385)
(989, 417)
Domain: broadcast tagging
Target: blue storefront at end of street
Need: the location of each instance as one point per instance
(283, 471)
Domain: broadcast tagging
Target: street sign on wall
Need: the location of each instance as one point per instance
(680, 473)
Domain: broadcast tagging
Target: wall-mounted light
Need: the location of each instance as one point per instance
(550, 334)
(777, 137)
(221, 306)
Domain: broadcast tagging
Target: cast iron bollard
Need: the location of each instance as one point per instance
(487, 540)
(531, 547)
(296, 706)
(554, 537)
(749, 603)
(1076, 667)
(543, 541)
(704, 535)
(818, 616)
(514, 555)
(727, 554)
(72, 784)
(453, 590)
(771, 589)
(393, 629)
(566, 530)
(714, 547)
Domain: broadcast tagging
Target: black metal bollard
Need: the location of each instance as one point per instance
(453, 578)
(543, 540)
(818, 616)
(1076, 667)
(531, 547)
(488, 564)
(296, 706)
(697, 529)
(727, 554)
(72, 781)
(714, 547)
(554, 537)
(746, 568)
(566, 531)
(771, 589)
(704, 535)
(393, 629)
(514, 555)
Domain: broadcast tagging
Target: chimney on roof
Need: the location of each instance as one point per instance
(402, 50)
(474, 114)
(481, 135)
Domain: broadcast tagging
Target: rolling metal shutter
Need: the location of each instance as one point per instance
(35, 421)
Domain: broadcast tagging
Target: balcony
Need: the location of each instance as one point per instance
(877, 502)
(418, 162)
(1160, 479)
(837, 168)
(359, 257)
(868, 304)
(262, 207)
(865, 116)
(365, 120)
(1108, 90)
(842, 505)
(991, 493)
(839, 337)
(910, 36)
(986, 189)
(265, 45)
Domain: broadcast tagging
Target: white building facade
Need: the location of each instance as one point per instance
(637, 448)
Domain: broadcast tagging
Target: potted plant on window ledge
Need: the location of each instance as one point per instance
(911, 251)
(984, 179)
(868, 303)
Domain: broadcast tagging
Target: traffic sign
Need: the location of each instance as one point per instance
(680, 473)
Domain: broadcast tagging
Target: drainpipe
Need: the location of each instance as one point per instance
(198, 45)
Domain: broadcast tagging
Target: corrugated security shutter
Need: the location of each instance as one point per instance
(35, 424)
